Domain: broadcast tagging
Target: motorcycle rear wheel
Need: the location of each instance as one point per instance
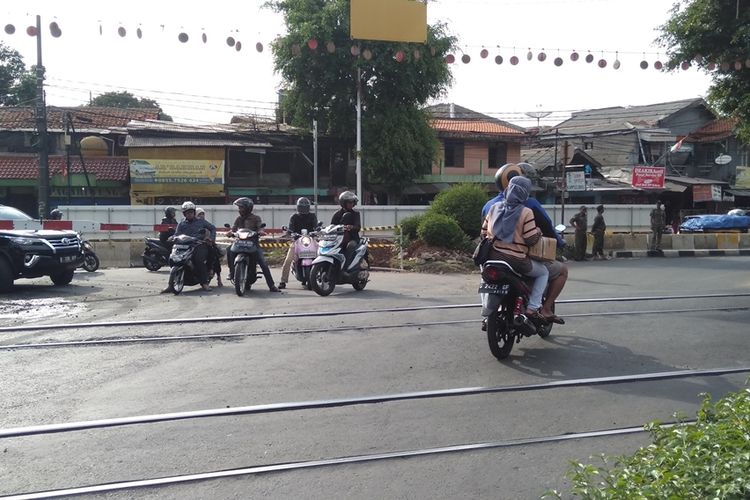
(320, 279)
(499, 335)
(240, 278)
(177, 280)
(150, 264)
(90, 262)
(360, 285)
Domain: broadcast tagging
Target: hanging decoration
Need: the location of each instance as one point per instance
(54, 29)
(558, 61)
(354, 50)
(738, 65)
(183, 37)
(417, 55)
(400, 56)
(139, 33)
(541, 57)
(484, 53)
(231, 42)
(204, 37)
(514, 60)
(312, 44)
(466, 58)
(31, 31)
(529, 55)
(711, 66)
(450, 59)
(747, 63)
(10, 29)
(574, 56)
(498, 59)
(259, 47)
(367, 54)
(658, 65)
(616, 64)
(122, 31)
(602, 63)
(589, 57)
(330, 47)
(238, 46)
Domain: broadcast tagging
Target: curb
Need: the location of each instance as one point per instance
(681, 253)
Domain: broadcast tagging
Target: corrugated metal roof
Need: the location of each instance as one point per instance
(85, 117)
(106, 168)
(474, 127)
(692, 181)
(164, 142)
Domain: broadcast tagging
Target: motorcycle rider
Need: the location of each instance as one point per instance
(558, 271)
(248, 220)
(214, 254)
(169, 218)
(350, 219)
(302, 219)
(196, 228)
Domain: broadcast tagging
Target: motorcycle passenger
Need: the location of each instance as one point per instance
(196, 228)
(169, 218)
(558, 271)
(350, 219)
(300, 220)
(55, 215)
(214, 254)
(248, 220)
(511, 226)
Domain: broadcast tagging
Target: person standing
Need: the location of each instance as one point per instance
(658, 219)
(580, 222)
(598, 231)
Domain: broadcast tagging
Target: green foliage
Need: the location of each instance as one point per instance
(707, 459)
(464, 203)
(409, 226)
(716, 31)
(441, 231)
(125, 99)
(17, 84)
(322, 85)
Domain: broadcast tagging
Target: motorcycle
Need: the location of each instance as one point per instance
(156, 255)
(90, 261)
(182, 270)
(506, 302)
(331, 267)
(305, 251)
(245, 248)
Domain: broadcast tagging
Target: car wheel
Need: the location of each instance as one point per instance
(6, 276)
(62, 278)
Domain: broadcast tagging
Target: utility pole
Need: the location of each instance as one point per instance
(315, 164)
(564, 181)
(359, 137)
(41, 126)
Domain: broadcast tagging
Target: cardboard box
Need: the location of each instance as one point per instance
(544, 249)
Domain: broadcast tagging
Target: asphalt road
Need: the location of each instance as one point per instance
(45, 385)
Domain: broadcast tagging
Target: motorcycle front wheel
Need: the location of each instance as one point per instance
(177, 280)
(240, 278)
(499, 334)
(90, 262)
(150, 264)
(320, 279)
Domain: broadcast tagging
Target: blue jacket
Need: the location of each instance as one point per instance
(548, 229)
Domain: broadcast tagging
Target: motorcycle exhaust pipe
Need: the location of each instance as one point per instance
(524, 324)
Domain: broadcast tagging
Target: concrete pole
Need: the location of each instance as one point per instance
(315, 165)
(41, 126)
(359, 137)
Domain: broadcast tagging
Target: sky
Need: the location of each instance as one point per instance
(197, 82)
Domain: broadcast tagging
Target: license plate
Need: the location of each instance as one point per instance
(494, 288)
(67, 259)
(307, 255)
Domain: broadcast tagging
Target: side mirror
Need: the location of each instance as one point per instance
(284, 228)
(227, 226)
(263, 225)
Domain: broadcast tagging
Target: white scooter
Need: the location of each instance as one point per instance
(331, 267)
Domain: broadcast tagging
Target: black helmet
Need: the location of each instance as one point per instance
(55, 214)
(347, 196)
(169, 212)
(303, 206)
(244, 202)
(505, 173)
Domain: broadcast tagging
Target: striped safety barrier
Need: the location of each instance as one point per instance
(92, 227)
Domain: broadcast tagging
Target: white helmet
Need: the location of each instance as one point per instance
(199, 211)
(188, 205)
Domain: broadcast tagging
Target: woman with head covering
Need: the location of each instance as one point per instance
(512, 226)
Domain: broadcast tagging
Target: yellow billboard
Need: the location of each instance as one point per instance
(389, 20)
(176, 171)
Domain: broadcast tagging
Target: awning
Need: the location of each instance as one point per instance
(739, 192)
(674, 188)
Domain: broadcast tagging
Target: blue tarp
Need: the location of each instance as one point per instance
(701, 223)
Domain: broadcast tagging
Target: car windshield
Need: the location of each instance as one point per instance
(10, 213)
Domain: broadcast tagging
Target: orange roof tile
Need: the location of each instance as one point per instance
(473, 127)
(85, 117)
(106, 168)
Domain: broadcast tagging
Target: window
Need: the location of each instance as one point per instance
(588, 146)
(454, 154)
(498, 155)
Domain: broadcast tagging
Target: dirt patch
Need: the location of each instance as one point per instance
(424, 258)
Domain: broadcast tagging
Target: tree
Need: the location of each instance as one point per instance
(125, 99)
(17, 84)
(718, 32)
(398, 143)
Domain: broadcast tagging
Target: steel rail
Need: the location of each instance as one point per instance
(225, 319)
(366, 400)
(309, 464)
(267, 333)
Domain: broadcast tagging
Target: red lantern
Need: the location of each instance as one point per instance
(354, 50)
(31, 31)
(658, 65)
(259, 47)
(10, 29)
(541, 57)
(400, 56)
(330, 47)
(644, 64)
(558, 61)
(514, 60)
(183, 37)
(238, 46)
(685, 65)
(711, 66)
(498, 59)
(450, 59)
(484, 53)
(738, 65)
(312, 44)
(417, 55)
(602, 63)
(725, 66)
(122, 31)
(574, 56)
(466, 58)
(367, 54)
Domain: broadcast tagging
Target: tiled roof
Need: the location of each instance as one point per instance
(714, 131)
(84, 118)
(106, 168)
(473, 127)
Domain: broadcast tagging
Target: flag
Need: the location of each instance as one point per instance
(676, 147)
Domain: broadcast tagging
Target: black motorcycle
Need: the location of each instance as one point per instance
(90, 260)
(245, 249)
(156, 254)
(182, 270)
(507, 299)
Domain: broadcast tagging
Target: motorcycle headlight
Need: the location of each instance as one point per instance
(242, 236)
(306, 241)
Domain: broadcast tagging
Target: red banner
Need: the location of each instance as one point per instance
(648, 177)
